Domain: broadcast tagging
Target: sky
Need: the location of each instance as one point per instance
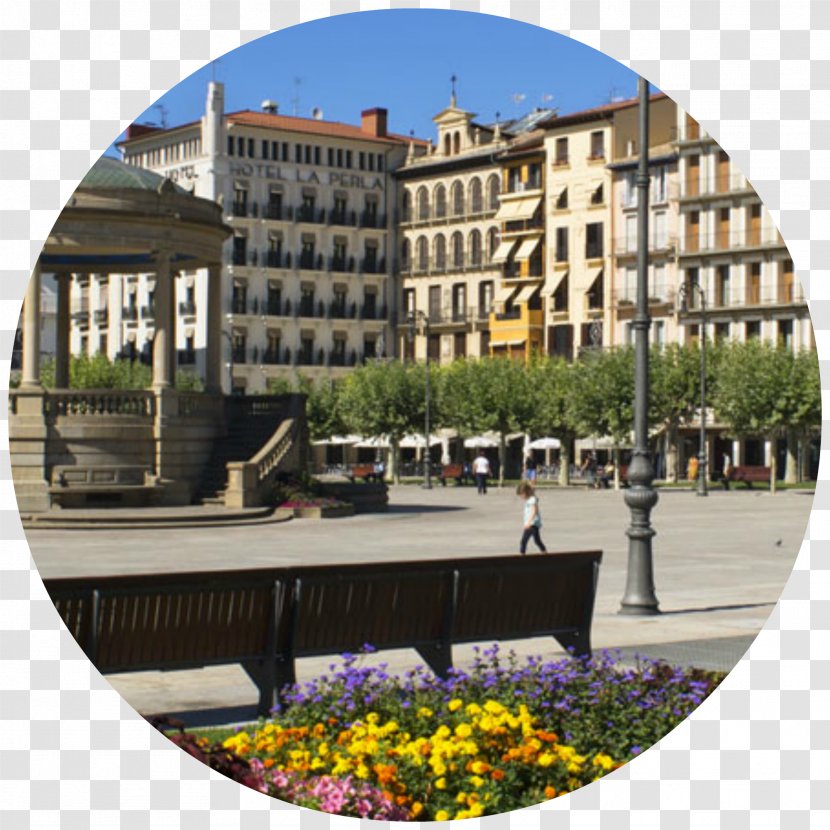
(403, 60)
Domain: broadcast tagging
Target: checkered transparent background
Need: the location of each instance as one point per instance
(73, 75)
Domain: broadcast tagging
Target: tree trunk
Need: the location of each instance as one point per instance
(791, 472)
(616, 457)
(773, 466)
(502, 457)
(564, 463)
(395, 467)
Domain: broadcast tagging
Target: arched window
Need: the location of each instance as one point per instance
(492, 242)
(447, 141)
(457, 194)
(456, 143)
(457, 250)
(423, 253)
(407, 206)
(439, 252)
(440, 201)
(423, 203)
(493, 192)
(476, 198)
(474, 247)
(405, 254)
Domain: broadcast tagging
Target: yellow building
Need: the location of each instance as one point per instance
(517, 320)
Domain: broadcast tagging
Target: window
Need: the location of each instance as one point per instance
(423, 253)
(562, 201)
(408, 300)
(753, 284)
(659, 333)
(380, 163)
(251, 147)
(593, 240)
(753, 330)
(274, 253)
(474, 246)
(597, 145)
(371, 162)
(659, 177)
(597, 196)
(339, 259)
(274, 299)
(298, 153)
(240, 249)
(561, 157)
(457, 250)
(307, 301)
(230, 145)
(361, 161)
(630, 234)
(660, 237)
(239, 297)
(264, 149)
(628, 293)
(485, 298)
(405, 254)
(439, 252)
(423, 203)
(285, 151)
(370, 257)
(307, 252)
(435, 302)
(562, 244)
(239, 341)
(476, 198)
(240, 146)
(306, 356)
(240, 200)
(273, 209)
(349, 159)
(493, 189)
(658, 285)
(492, 242)
(275, 151)
(272, 351)
(629, 190)
(440, 201)
(331, 156)
(317, 156)
(457, 199)
(722, 286)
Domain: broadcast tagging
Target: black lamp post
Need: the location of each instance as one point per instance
(685, 290)
(230, 362)
(639, 597)
(414, 317)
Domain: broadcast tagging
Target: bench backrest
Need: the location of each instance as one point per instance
(192, 619)
(451, 470)
(363, 469)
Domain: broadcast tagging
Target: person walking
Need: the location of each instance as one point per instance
(481, 470)
(532, 518)
(530, 469)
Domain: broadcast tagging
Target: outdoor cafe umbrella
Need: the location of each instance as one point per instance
(417, 441)
(378, 443)
(545, 444)
(479, 442)
(338, 440)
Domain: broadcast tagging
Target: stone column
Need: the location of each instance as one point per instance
(30, 374)
(213, 364)
(164, 340)
(62, 347)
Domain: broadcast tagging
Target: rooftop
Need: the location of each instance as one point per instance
(109, 173)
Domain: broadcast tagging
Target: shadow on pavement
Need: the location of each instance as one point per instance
(424, 508)
(736, 607)
(219, 716)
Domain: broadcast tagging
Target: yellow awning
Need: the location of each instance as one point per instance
(527, 248)
(503, 251)
(526, 292)
(516, 210)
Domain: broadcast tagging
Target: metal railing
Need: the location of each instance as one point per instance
(727, 239)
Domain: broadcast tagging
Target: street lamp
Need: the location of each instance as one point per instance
(230, 363)
(685, 291)
(639, 597)
(413, 318)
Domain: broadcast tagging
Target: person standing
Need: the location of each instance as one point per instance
(532, 518)
(530, 469)
(481, 470)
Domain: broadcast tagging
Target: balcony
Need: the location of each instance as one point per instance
(274, 211)
(372, 265)
(623, 246)
(533, 183)
(728, 240)
(310, 261)
(101, 317)
(369, 219)
(341, 265)
(239, 209)
(313, 215)
(239, 258)
(129, 314)
(186, 357)
(347, 218)
(660, 302)
(373, 312)
(239, 354)
(276, 259)
(239, 305)
(696, 189)
(468, 210)
(148, 312)
(187, 308)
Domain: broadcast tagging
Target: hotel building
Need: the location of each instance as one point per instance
(308, 271)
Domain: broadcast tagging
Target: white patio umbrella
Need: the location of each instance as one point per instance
(378, 443)
(545, 444)
(479, 442)
(417, 441)
(339, 440)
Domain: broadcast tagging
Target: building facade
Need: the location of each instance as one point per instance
(307, 279)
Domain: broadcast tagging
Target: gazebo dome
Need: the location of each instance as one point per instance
(110, 173)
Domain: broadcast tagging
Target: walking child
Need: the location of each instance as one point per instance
(532, 518)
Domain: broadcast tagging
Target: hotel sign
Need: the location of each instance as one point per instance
(276, 173)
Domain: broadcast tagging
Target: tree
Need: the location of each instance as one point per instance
(803, 403)
(553, 389)
(604, 403)
(384, 399)
(322, 408)
(489, 395)
(766, 391)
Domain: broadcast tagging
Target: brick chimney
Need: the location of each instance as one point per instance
(373, 122)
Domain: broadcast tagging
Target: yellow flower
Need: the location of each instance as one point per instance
(476, 780)
(473, 709)
(423, 712)
(417, 808)
(455, 705)
(545, 759)
(461, 798)
(443, 731)
(441, 783)
(323, 750)
(479, 767)
(604, 761)
(476, 810)
(439, 768)
(442, 815)
(463, 730)
(493, 707)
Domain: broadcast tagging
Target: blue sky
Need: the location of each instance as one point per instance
(403, 60)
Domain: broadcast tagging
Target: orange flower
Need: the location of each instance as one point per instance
(548, 737)
(497, 775)
(550, 792)
(385, 773)
(268, 763)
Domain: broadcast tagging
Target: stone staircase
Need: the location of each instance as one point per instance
(251, 423)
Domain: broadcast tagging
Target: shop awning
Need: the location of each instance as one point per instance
(517, 210)
(503, 251)
(527, 248)
(526, 292)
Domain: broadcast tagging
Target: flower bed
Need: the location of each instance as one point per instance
(502, 736)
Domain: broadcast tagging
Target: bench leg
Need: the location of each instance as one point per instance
(270, 677)
(578, 642)
(438, 658)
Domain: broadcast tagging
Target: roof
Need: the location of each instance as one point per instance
(110, 173)
(596, 113)
(313, 126)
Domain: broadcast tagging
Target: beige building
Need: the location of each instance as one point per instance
(306, 283)
(452, 255)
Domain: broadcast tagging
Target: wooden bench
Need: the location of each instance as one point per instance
(749, 474)
(455, 471)
(367, 472)
(265, 618)
(101, 484)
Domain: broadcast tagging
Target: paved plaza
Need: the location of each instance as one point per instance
(720, 564)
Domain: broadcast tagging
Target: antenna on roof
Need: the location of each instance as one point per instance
(295, 101)
(163, 113)
(453, 79)
(317, 113)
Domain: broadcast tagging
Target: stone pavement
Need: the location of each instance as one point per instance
(720, 564)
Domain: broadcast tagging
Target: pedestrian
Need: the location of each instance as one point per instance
(530, 469)
(481, 470)
(727, 471)
(589, 469)
(692, 468)
(532, 518)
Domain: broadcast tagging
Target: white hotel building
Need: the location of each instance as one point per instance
(307, 273)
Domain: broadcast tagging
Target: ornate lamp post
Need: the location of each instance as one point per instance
(414, 318)
(639, 597)
(685, 291)
(230, 362)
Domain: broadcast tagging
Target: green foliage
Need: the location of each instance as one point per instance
(322, 408)
(189, 382)
(279, 386)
